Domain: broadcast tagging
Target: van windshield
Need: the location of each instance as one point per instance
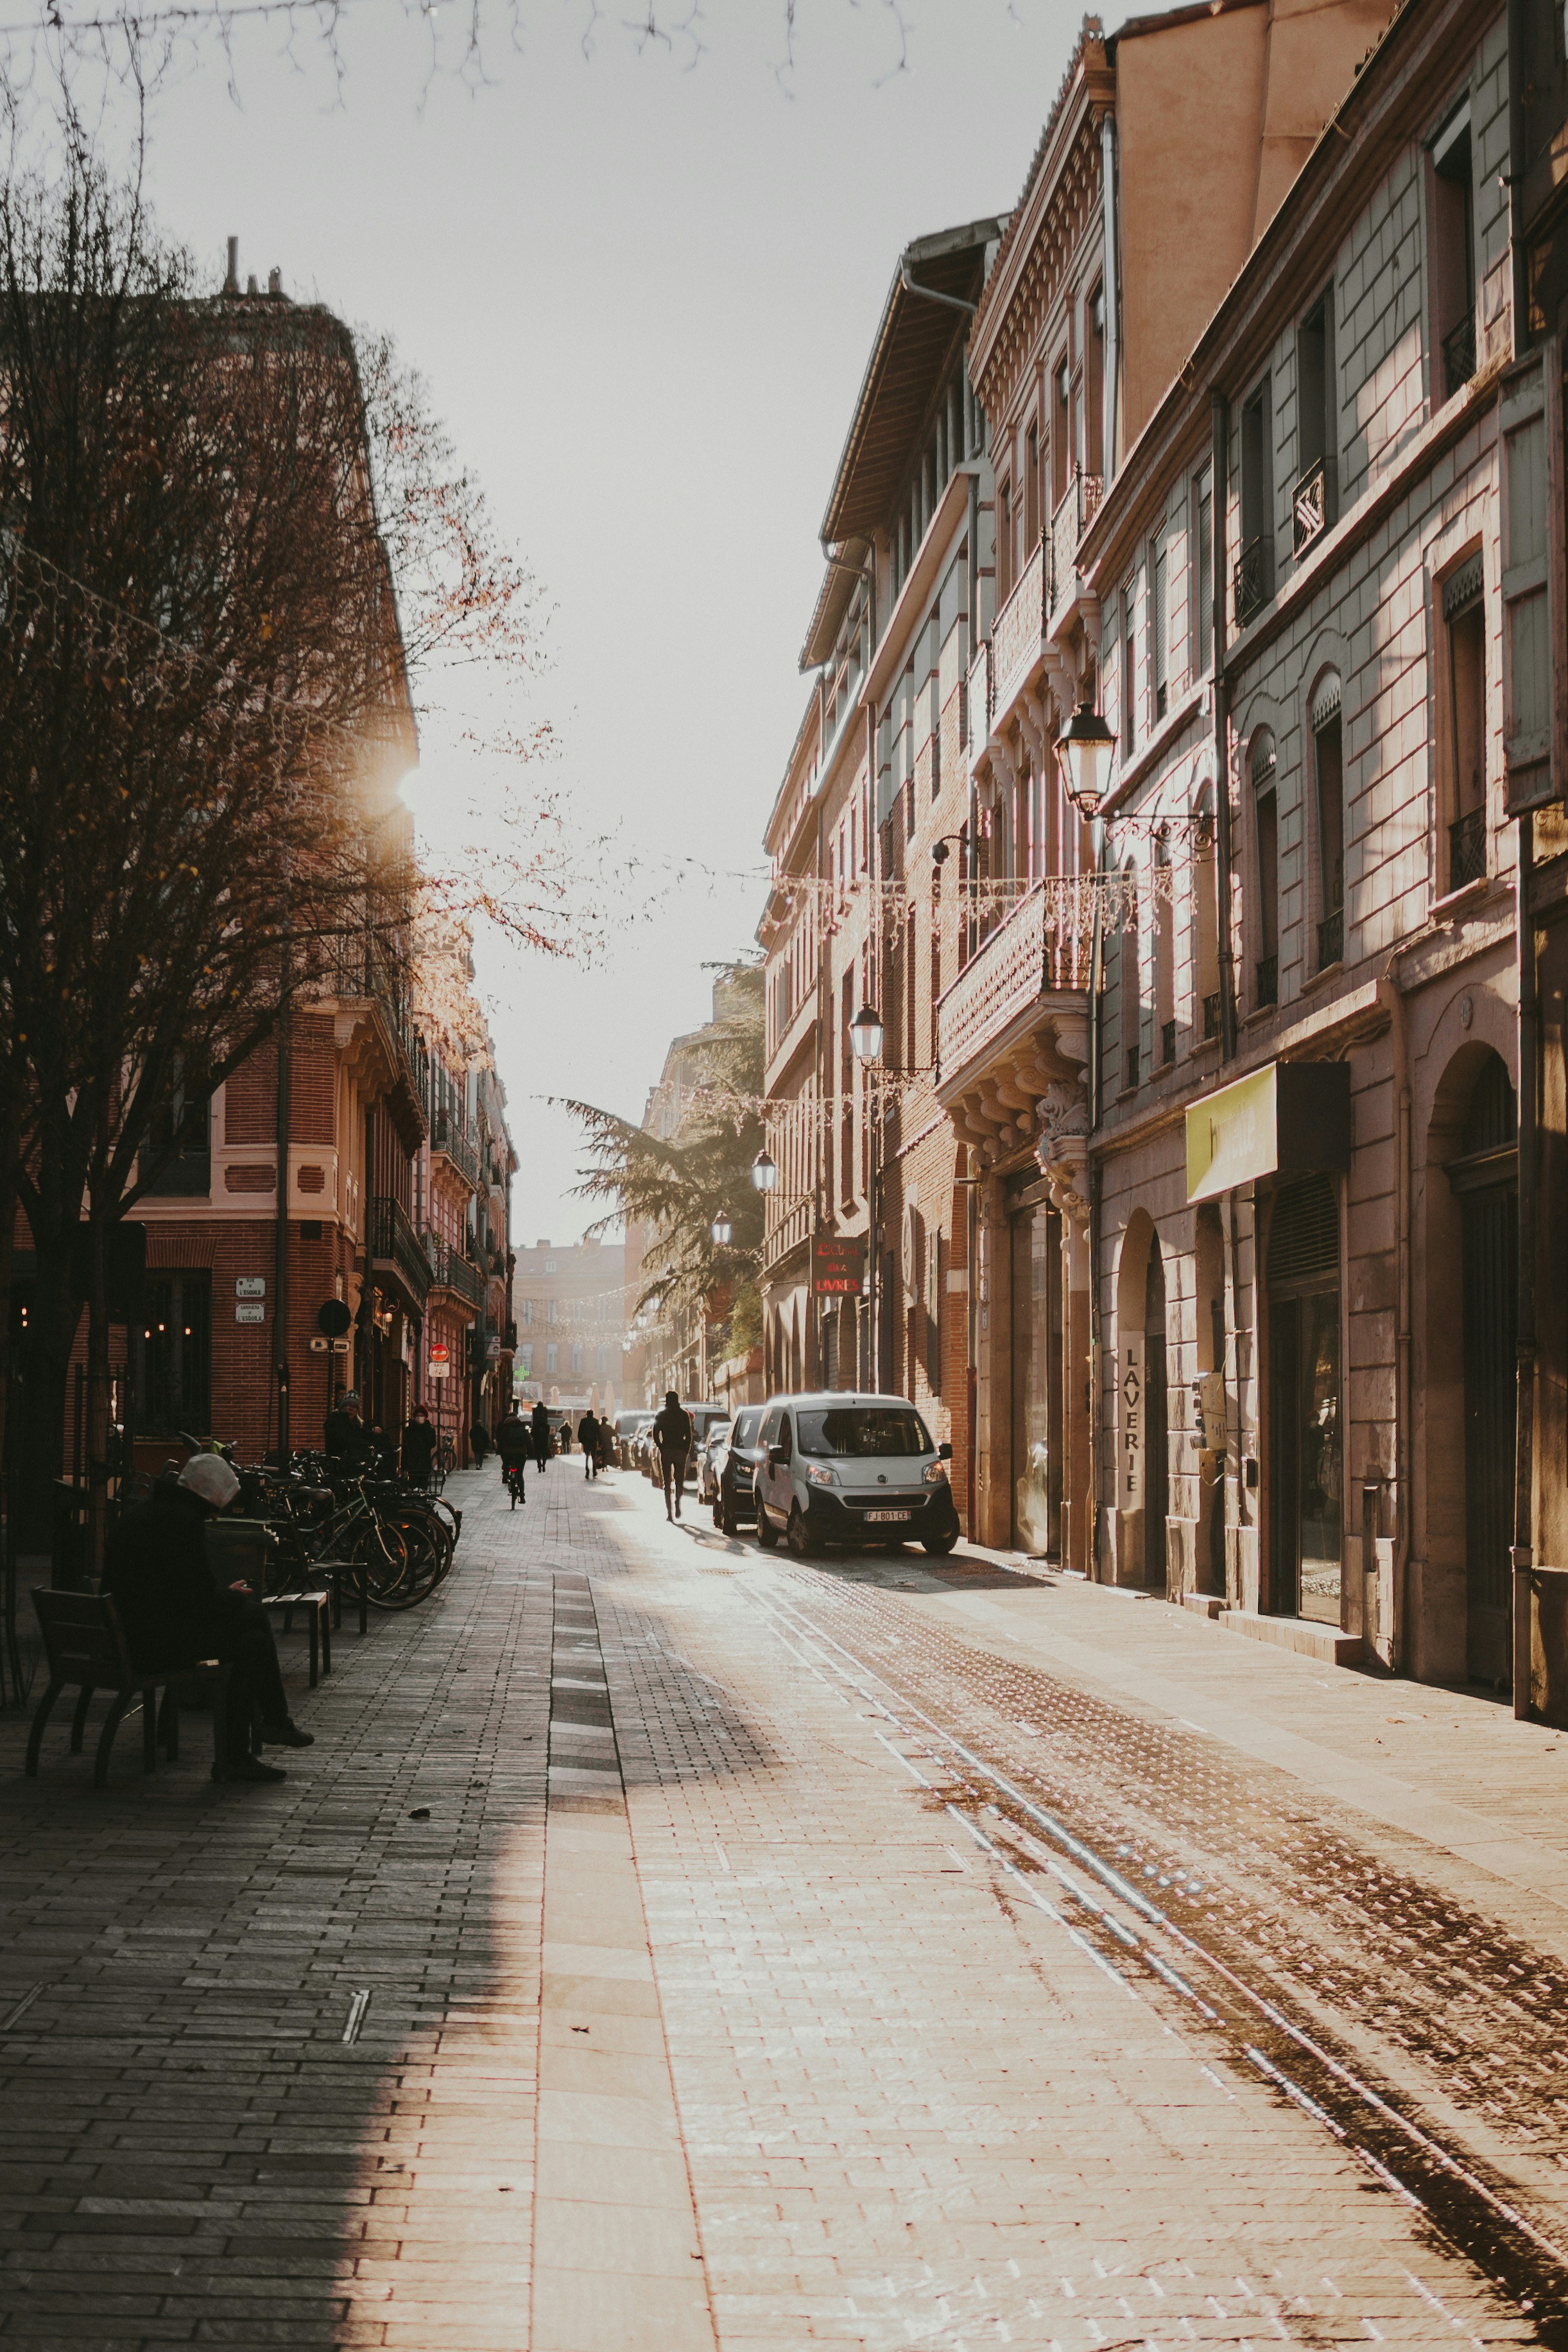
(745, 1427)
(862, 1430)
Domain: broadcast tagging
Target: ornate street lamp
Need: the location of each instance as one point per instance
(866, 1033)
(765, 1172)
(723, 1232)
(1084, 754)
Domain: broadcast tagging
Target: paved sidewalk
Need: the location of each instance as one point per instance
(705, 2009)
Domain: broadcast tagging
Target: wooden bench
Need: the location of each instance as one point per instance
(85, 1646)
(247, 1549)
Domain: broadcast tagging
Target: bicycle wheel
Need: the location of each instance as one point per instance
(379, 1560)
(426, 1553)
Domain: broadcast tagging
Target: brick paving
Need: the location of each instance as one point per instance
(695, 2017)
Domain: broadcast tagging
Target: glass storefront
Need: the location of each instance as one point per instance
(1305, 1460)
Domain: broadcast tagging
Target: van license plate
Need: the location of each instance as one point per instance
(887, 1515)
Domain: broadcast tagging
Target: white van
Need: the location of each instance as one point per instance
(838, 1467)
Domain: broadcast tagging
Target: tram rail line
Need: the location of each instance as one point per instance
(1059, 1846)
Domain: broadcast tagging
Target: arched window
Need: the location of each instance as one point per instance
(1263, 768)
(1328, 782)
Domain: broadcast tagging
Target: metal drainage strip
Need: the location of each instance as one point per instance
(578, 1679)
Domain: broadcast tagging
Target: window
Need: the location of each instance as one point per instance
(525, 1312)
(552, 1311)
(1032, 488)
(177, 1353)
(1328, 763)
(1464, 622)
(1205, 921)
(1161, 921)
(1157, 665)
(1263, 768)
(576, 1357)
(181, 1137)
(1311, 501)
(1200, 599)
(1060, 432)
(1131, 979)
(1453, 253)
(1004, 542)
(550, 1266)
(1094, 383)
(1129, 666)
(1254, 566)
(552, 1359)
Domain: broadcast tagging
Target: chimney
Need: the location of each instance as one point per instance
(251, 287)
(274, 284)
(231, 283)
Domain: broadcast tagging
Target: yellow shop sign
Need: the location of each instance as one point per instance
(1284, 1120)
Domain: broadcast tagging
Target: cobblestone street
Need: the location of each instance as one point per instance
(664, 1947)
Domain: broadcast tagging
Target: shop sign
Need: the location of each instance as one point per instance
(1286, 1118)
(250, 1286)
(1130, 1420)
(838, 1265)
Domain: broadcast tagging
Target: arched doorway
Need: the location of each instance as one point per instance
(1156, 1422)
(1306, 1478)
(1485, 1181)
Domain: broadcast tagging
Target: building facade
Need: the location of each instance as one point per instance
(570, 1304)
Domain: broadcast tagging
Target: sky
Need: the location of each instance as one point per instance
(641, 283)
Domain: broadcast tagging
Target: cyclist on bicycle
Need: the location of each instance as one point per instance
(514, 1442)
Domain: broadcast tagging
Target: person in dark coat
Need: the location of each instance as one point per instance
(588, 1438)
(514, 1443)
(479, 1444)
(348, 1439)
(157, 1576)
(674, 1434)
(418, 1447)
(539, 1419)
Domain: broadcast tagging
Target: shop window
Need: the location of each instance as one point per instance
(177, 1354)
(1464, 627)
(1306, 1498)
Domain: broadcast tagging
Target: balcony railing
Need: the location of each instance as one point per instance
(461, 1150)
(1266, 983)
(452, 1271)
(1330, 939)
(1211, 1014)
(1459, 354)
(1250, 581)
(1079, 507)
(1039, 947)
(395, 1245)
(1020, 624)
(1467, 849)
(1310, 506)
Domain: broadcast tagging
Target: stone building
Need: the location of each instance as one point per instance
(1305, 1083)
(569, 1303)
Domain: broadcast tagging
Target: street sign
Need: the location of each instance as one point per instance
(440, 1353)
(250, 1286)
(440, 1371)
(838, 1265)
(247, 1313)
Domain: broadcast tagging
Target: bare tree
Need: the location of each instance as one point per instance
(205, 713)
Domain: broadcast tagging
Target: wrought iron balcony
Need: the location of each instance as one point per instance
(1266, 983)
(450, 1270)
(1459, 354)
(1250, 583)
(1039, 947)
(1310, 502)
(396, 1249)
(1467, 849)
(447, 1137)
(1330, 939)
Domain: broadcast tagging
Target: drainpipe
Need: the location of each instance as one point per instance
(929, 293)
(1524, 1444)
(1219, 502)
(1110, 389)
(1097, 955)
(1392, 998)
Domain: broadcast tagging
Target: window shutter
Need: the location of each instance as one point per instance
(1533, 681)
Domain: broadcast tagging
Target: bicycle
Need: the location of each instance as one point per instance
(443, 1463)
(513, 1474)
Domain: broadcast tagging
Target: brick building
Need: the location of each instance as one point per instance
(570, 1304)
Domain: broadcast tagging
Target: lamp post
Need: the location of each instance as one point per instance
(765, 1172)
(1083, 753)
(722, 1231)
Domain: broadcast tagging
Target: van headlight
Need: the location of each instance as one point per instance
(817, 1473)
(936, 1474)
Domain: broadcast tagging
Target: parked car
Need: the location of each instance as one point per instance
(840, 1468)
(735, 1465)
(711, 1447)
(627, 1427)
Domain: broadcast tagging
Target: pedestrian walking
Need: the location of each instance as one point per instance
(479, 1441)
(514, 1443)
(540, 1421)
(418, 1447)
(588, 1438)
(674, 1435)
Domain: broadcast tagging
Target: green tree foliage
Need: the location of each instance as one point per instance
(678, 1176)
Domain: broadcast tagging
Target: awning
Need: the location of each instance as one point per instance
(1283, 1121)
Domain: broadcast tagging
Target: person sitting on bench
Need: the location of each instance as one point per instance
(157, 1575)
